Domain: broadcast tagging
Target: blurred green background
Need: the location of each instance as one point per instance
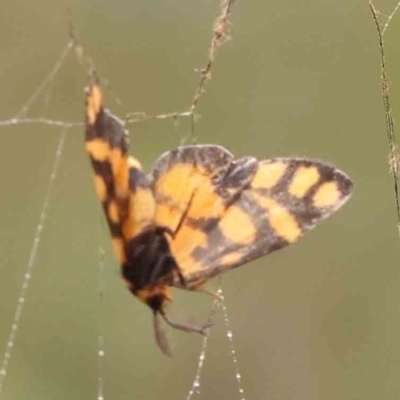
(318, 320)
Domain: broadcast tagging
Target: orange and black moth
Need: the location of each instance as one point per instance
(199, 212)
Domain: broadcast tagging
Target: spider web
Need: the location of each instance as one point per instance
(394, 158)
(43, 93)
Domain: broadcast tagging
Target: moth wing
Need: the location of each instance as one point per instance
(185, 185)
(182, 176)
(286, 198)
(120, 183)
(247, 210)
(107, 144)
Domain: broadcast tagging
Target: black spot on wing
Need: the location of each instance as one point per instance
(303, 208)
(240, 173)
(229, 186)
(213, 159)
(115, 227)
(103, 169)
(137, 179)
(283, 183)
(218, 245)
(236, 179)
(109, 128)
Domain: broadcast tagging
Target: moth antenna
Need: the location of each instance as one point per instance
(184, 215)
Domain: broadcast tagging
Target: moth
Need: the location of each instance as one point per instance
(200, 212)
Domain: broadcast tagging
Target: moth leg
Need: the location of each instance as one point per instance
(199, 287)
(167, 230)
(183, 280)
(214, 295)
(186, 326)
